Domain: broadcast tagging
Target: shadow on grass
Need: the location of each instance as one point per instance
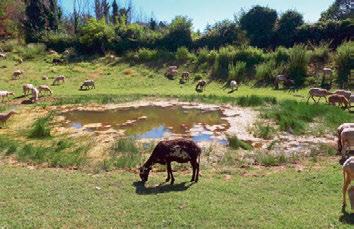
(346, 218)
(140, 188)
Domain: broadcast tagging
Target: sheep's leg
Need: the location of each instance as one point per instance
(345, 187)
(170, 171)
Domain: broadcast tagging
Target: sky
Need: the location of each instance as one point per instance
(204, 12)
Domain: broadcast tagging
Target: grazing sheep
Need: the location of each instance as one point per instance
(5, 116)
(347, 139)
(200, 85)
(5, 94)
(318, 92)
(171, 71)
(3, 55)
(340, 99)
(57, 61)
(285, 80)
(44, 88)
(233, 85)
(348, 176)
(185, 76)
(347, 94)
(16, 74)
(45, 78)
(181, 151)
(88, 84)
(35, 94)
(58, 80)
(27, 88)
(339, 132)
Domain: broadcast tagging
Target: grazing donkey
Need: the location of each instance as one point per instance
(180, 150)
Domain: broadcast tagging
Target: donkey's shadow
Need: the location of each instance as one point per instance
(141, 189)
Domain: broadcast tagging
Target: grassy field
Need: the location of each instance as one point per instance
(255, 198)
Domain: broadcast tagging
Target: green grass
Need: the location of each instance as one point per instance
(271, 160)
(125, 154)
(60, 154)
(264, 131)
(59, 198)
(295, 116)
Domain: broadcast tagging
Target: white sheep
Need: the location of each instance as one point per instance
(44, 88)
(5, 94)
(233, 85)
(35, 94)
(348, 176)
(27, 88)
(347, 139)
(339, 132)
(16, 74)
(318, 92)
(59, 79)
(3, 55)
(88, 84)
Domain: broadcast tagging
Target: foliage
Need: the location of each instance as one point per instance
(237, 71)
(339, 10)
(264, 72)
(320, 53)
(259, 24)
(344, 63)
(183, 54)
(179, 34)
(297, 65)
(264, 131)
(41, 127)
(235, 143)
(271, 160)
(125, 154)
(287, 25)
(30, 51)
(96, 35)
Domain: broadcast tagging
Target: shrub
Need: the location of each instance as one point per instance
(264, 131)
(280, 56)
(297, 66)
(183, 54)
(222, 63)
(249, 55)
(41, 128)
(236, 143)
(125, 145)
(202, 56)
(59, 41)
(254, 100)
(237, 71)
(264, 72)
(126, 154)
(8, 46)
(30, 51)
(320, 54)
(344, 62)
(145, 55)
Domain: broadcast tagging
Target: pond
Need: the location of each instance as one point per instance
(154, 122)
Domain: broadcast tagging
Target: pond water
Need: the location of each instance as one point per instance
(154, 122)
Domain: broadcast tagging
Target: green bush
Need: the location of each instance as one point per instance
(202, 56)
(146, 55)
(237, 71)
(297, 65)
(222, 62)
(30, 51)
(59, 41)
(264, 131)
(249, 55)
(280, 56)
(183, 54)
(264, 72)
(254, 100)
(320, 54)
(235, 143)
(41, 127)
(344, 61)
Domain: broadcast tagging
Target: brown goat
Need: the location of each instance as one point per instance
(180, 150)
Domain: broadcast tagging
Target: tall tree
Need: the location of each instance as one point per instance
(259, 24)
(36, 19)
(339, 10)
(115, 12)
(53, 15)
(286, 29)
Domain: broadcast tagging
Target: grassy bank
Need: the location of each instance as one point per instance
(44, 198)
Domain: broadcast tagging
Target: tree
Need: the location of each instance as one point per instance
(287, 25)
(259, 24)
(102, 10)
(339, 10)
(53, 15)
(36, 19)
(115, 12)
(179, 33)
